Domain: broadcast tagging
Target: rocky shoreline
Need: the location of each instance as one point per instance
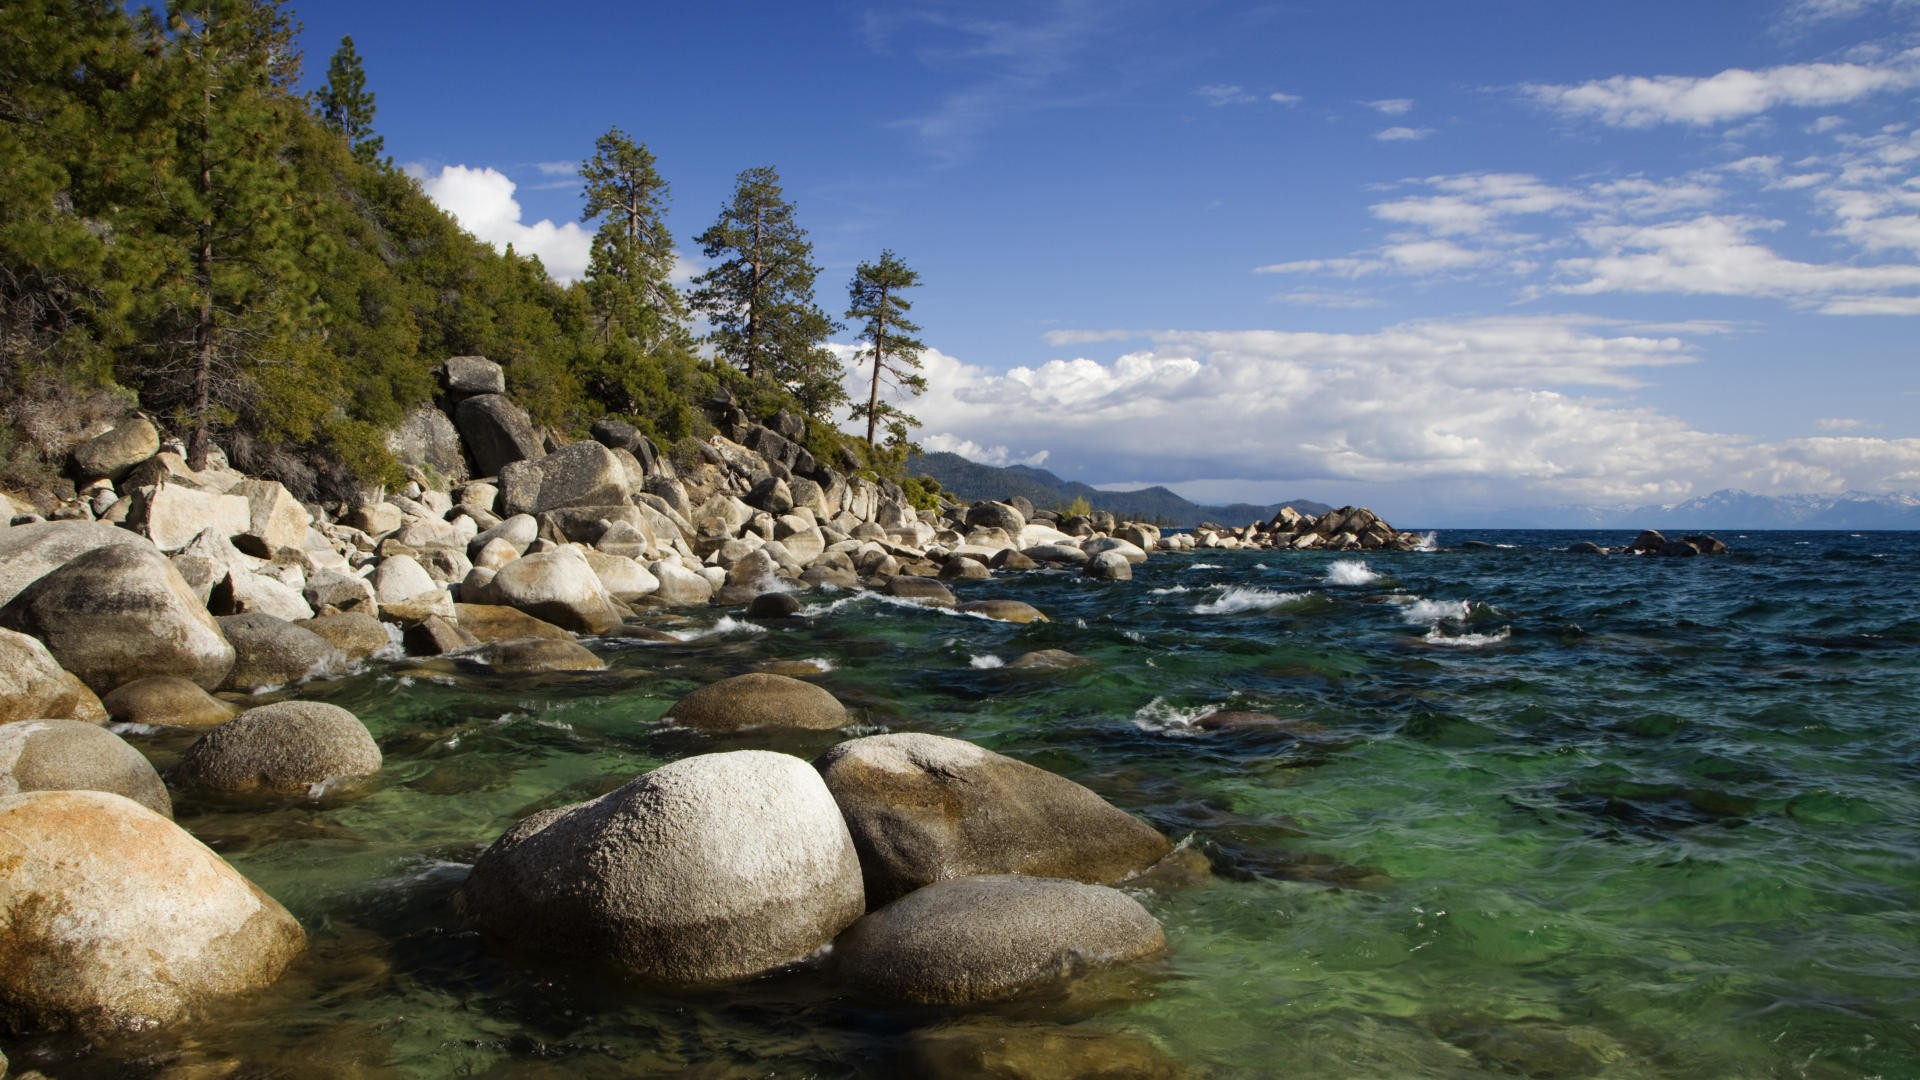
(942, 873)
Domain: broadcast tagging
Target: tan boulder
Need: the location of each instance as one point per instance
(117, 920)
(167, 701)
(758, 699)
(34, 686)
(67, 755)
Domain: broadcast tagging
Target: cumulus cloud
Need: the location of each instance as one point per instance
(1402, 134)
(1715, 255)
(1639, 101)
(1536, 405)
(482, 201)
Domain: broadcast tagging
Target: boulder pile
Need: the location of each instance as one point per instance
(1350, 528)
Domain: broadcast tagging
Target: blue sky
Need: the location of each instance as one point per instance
(1431, 258)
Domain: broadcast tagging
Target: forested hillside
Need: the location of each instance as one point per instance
(183, 231)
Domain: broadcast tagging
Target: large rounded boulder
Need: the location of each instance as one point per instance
(167, 701)
(272, 652)
(989, 938)
(34, 686)
(287, 748)
(117, 920)
(711, 869)
(558, 586)
(759, 699)
(119, 613)
(925, 808)
(67, 755)
(31, 552)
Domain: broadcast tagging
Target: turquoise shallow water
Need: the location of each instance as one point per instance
(1522, 813)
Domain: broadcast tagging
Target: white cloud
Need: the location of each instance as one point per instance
(482, 201)
(1392, 106)
(1089, 337)
(1433, 256)
(1328, 298)
(1219, 94)
(1423, 408)
(1638, 101)
(1345, 268)
(1000, 456)
(1714, 255)
(1402, 134)
(1838, 423)
(1285, 99)
(557, 168)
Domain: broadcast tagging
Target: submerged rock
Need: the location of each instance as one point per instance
(711, 869)
(167, 701)
(117, 920)
(271, 652)
(759, 699)
(1008, 1050)
(534, 656)
(980, 939)
(1014, 611)
(67, 755)
(288, 748)
(924, 808)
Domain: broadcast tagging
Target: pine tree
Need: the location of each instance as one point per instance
(346, 106)
(228, 289)
(875, 302)
(759, 297)
(628, 271)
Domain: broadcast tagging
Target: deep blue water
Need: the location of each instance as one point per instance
(1514, 812)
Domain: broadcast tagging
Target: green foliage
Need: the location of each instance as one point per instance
(1078, 507)
(923, 492)
(758, 296)
(346, 105)
(875, 302)
(632, 257)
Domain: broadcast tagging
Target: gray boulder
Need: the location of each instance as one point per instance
(498, 432)
(558, 586)
(111, 455)
(241, 592)
(711, 869)
(119, 613)
(921, 590)
(980, 939)
(427, 440)
(288, 748)
(996, 515)
(756, 700)
(34, 686)
(623, 578)
(924, 808)
(1109, 566)
(680, 586)
(1101, 545)
(275, 519)
(166, 701)
(1056, 554)
(535, 656)
(67, 755)
(118, 921)
(356, 634)
(469, 375)
(273, 652)
(31, 552)
(1013, 611)
(582, 474)
(171, 515)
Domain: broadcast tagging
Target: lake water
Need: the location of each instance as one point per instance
(1514, 812)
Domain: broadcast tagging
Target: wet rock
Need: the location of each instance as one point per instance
(773, 605)
(111, 455)
(925, 808)
(1048, 658)
(435, 636)
(68, 755)
(921, 590)
(1649, 542)
(33, 685)
(356, 634)
(31, 552)
(1109, 566)
(1011, 559)
(117, 920)
(167, 701)
(1528, 1046)
(120, 613)
(962, 568)
(711, 869)
(1006, 1050)
(535, 656)
(794, 669)
(1056, 555)
(270, 652)
(1586, 547)
(288, 748)
(494, 622)
(1014, 611)
(990, 938)
(756, 700)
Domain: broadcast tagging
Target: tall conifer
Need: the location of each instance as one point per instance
(346, 105)
(630, 267)
(875, 302)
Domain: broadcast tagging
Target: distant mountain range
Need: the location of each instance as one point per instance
(1725, 509)
(972, 480)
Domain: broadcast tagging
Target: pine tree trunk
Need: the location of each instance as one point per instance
(873, 397)
(203, 332)
(753, 302)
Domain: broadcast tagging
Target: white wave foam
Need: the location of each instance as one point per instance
(1241, 598)
(1467, 641)
(1351, 572)
(825, 665)
(985, 663)
(1428, 542)
(727, 625)
(1204, 566)
(1171, 590)
(1422, 612)
(1160, 717)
